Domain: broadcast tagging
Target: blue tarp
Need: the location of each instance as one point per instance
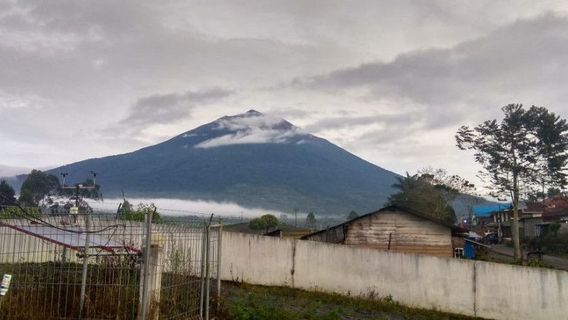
(469, 250)
(486, 209)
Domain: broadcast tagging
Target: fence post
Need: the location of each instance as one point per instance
(219, 246)
(207, 272)
(143, 313)
(202, 271)
(85, 267)
(154, 282)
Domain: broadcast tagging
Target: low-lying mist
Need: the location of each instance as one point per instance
(178, 207)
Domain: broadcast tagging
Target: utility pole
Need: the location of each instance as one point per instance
(296, 217)
(94, 173)
(64, 174)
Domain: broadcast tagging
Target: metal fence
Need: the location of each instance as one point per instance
(97, 267)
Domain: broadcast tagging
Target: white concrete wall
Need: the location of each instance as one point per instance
(257, 259)
(474, 288)
(422, 281)
(515, 292)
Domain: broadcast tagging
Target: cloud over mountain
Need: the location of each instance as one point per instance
(252, 128)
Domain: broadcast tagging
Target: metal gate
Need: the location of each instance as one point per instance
(98, 267)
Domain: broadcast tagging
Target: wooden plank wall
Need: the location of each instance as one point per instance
(332, 235)
(408, 233)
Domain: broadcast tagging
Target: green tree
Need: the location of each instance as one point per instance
(311, 220)
(553, 192)
(126, 212)
(551, 143)
(451, 187)
(37, 185)
(256, 224)
(419, 194)
(528, 148)
(265, 222)
(352, 215)
(7, 194)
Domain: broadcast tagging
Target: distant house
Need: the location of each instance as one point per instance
(556, 209)
(395, 229)
(485, 214)
(553, 210)
(534, 218)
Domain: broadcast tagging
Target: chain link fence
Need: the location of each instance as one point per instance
(98, 267)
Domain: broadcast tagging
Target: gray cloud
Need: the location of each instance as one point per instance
(395, 77)
(167, 108)
(525, 62)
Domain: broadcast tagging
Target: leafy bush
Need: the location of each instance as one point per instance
(266, 222)
(138, 214)
(15, 212)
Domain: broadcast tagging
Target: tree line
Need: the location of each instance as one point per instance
(39, 184)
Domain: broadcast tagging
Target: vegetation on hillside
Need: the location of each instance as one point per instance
(308, 173)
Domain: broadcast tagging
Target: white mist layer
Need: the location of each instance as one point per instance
(178, 207)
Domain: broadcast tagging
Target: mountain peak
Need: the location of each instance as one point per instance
(251, 127)
(251, 159)
(253, 112)
(249, 114)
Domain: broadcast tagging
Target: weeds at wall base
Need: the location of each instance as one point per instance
(248, 302)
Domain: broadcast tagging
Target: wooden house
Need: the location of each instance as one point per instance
(395, 229)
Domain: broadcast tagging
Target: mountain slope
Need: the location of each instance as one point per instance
(251, 159)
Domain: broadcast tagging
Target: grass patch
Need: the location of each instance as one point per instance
(51, 290)
(248, 302)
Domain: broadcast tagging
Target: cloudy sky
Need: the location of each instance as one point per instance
(390, 81)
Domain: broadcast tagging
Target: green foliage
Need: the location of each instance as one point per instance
(7, 194)
(528, 147)
(267, 303)
(256, 224)
(551, 192)
(450, 185)
(419, 194)
(37, 185)
(178, 261)
(265, 222)
(14, 212)
(127, 213)
(536, 263)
